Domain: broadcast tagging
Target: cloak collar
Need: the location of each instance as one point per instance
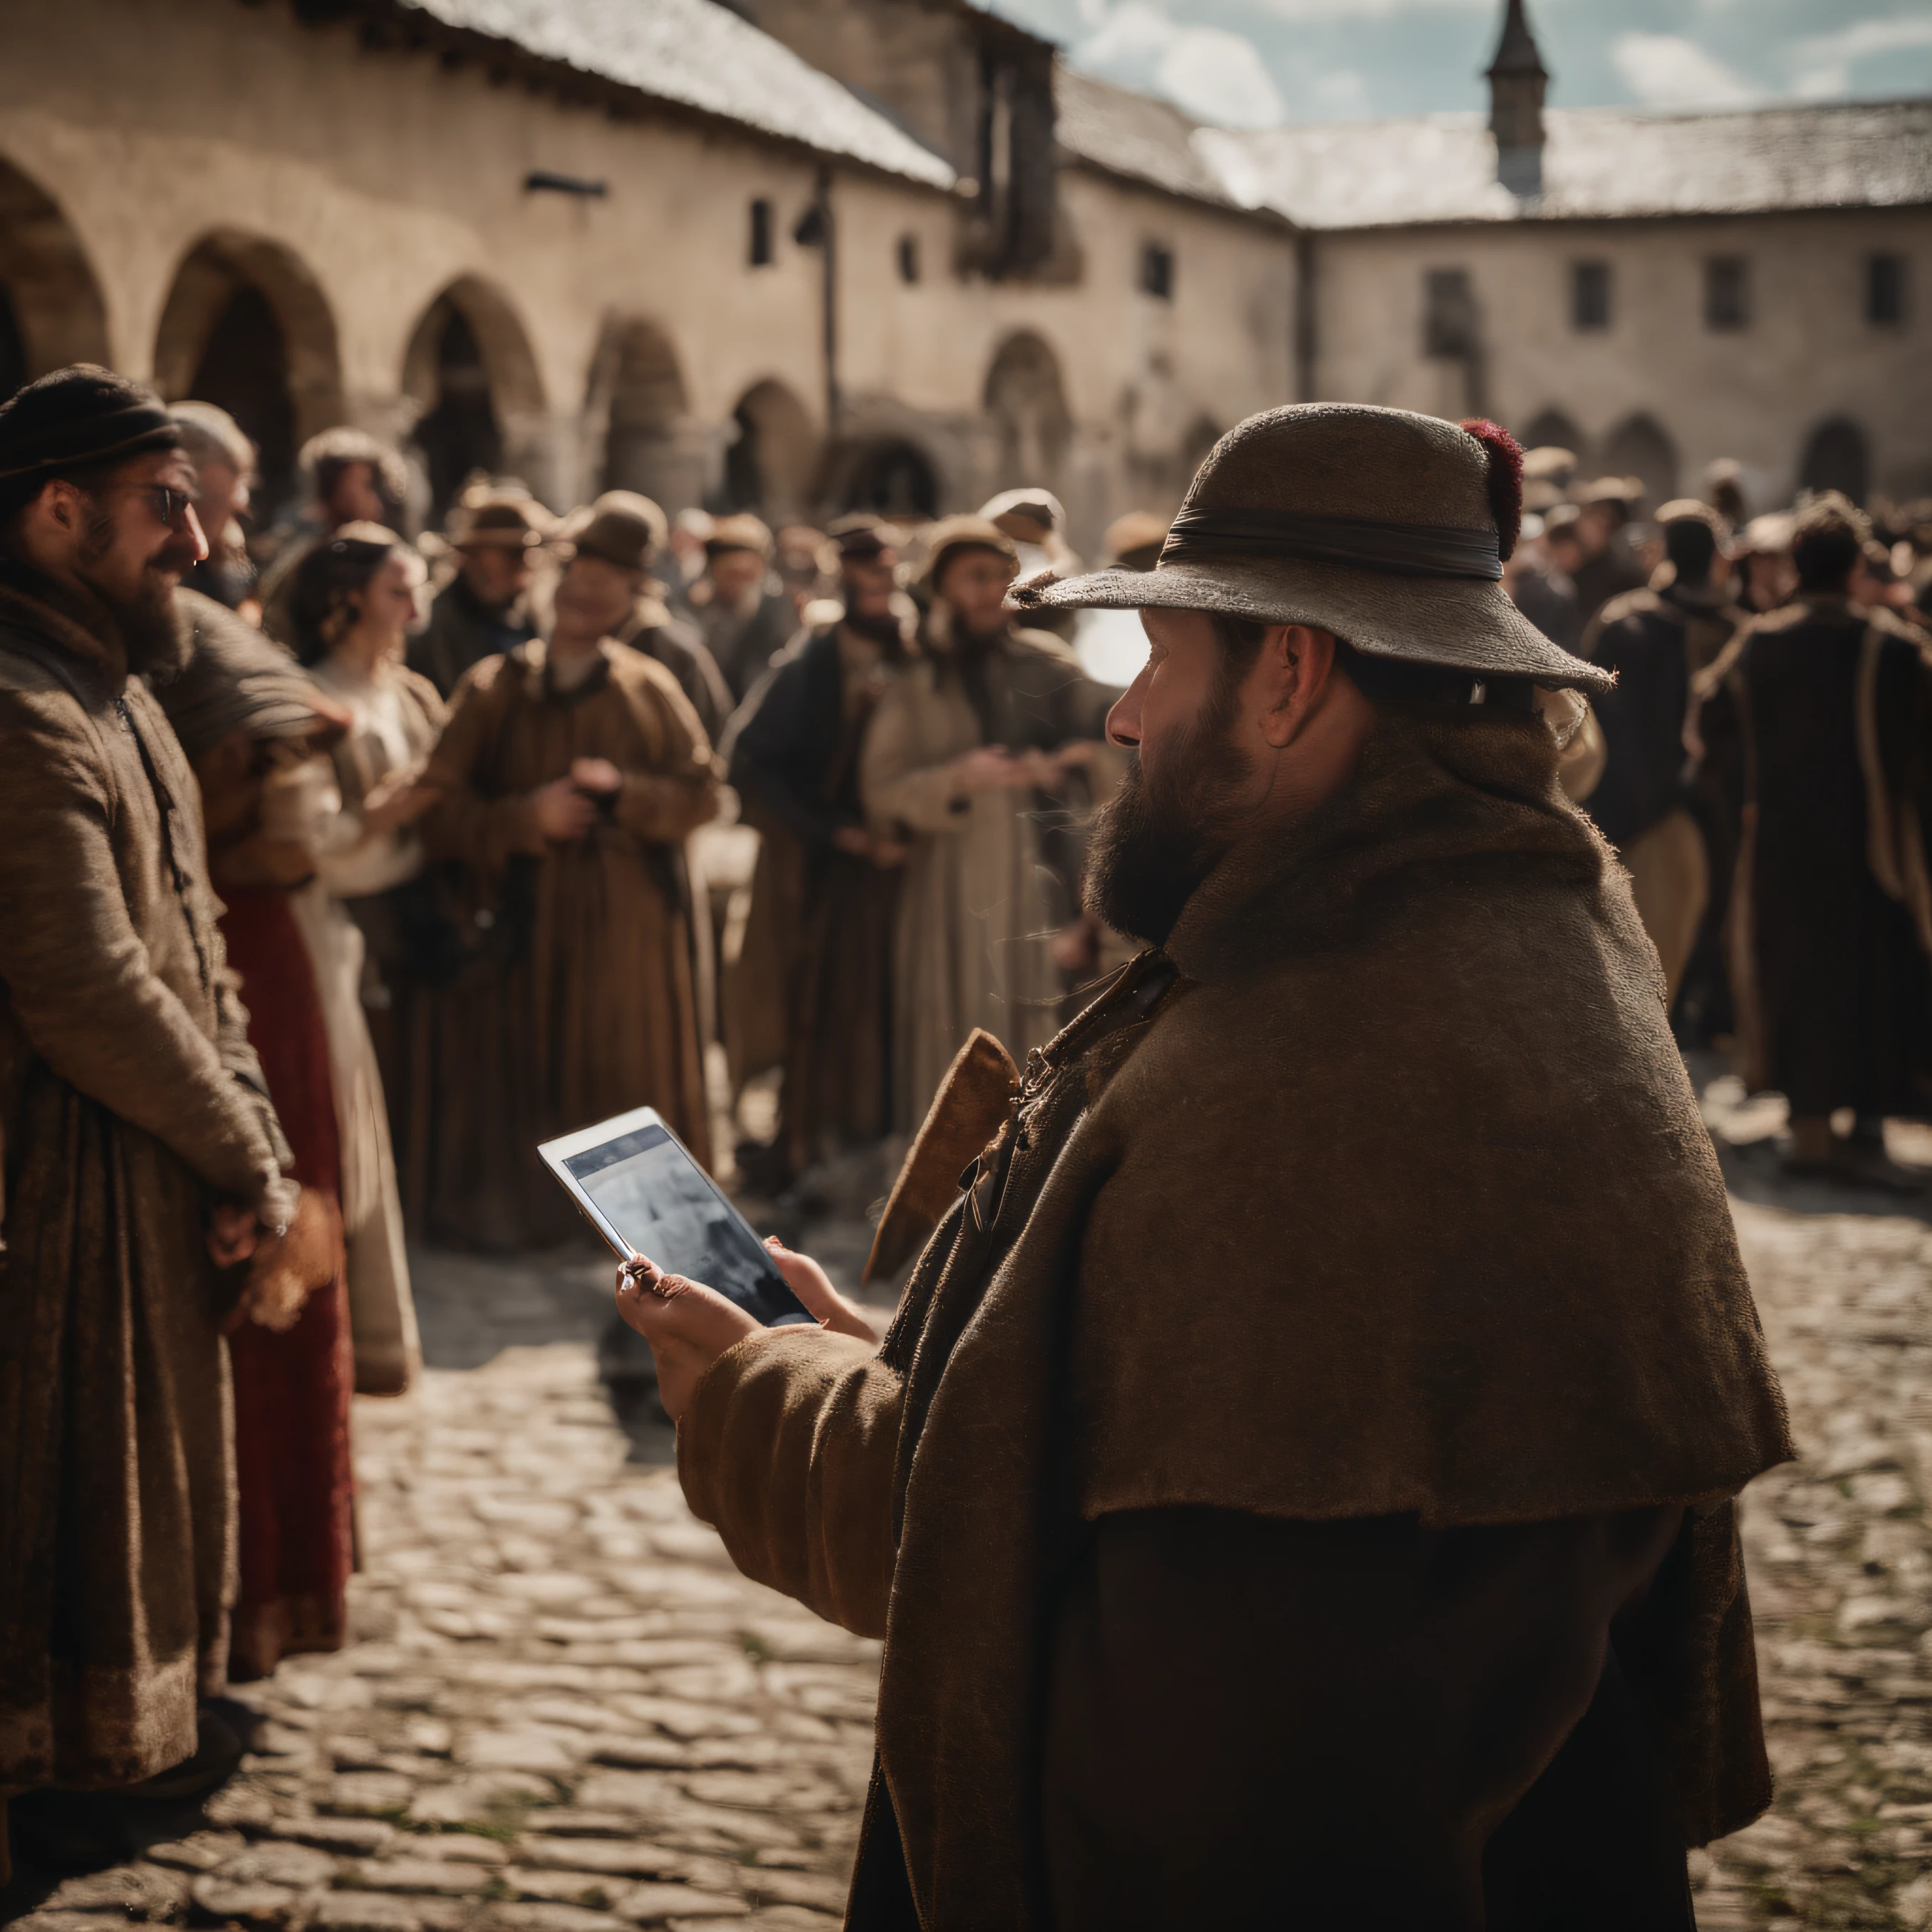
(71, 620)
(1433, 802)
(533, 658)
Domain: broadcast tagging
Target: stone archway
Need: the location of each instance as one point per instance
(890, 475)
(1638, 447)
(51, 310)
(470, 372)
(1837, 457)
(1026, 402)
(636, 411)
(246, 325)
(772, 465)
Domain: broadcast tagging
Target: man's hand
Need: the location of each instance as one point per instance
(232, 1235)
(288, 1265)
(598, 776)
(813, 1286)
(563, 812)
(688, 1325)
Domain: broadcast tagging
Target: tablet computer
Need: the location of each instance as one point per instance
(636, 1184)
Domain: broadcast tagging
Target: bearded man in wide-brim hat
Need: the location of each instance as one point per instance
(1297, 1489)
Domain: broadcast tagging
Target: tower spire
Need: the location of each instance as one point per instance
(1518, 80)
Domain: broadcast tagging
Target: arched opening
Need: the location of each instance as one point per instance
(246, 326)
(51, 312)
(1024, 398)
(637, 395)
(1638, 448)
(772, 464)
(889, 475)
(1553, 429)
(1837, 457)
(470, 370)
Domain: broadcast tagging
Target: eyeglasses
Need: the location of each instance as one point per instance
(171, 506)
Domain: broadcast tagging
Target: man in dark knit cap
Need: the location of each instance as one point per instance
(144, 1162)
(1297, 1489)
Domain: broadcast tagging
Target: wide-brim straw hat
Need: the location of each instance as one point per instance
(1389, 529)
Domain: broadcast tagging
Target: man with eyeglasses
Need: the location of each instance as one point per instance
(143, 1161)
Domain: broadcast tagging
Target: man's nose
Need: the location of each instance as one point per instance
(1123, 719)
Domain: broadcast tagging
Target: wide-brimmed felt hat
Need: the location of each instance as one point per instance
(1388, 529)
(943, 540)
(499, 520)
(742, 531)
(621, 528)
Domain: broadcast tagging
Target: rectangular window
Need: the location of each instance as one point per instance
(1885, 290)
(908, 259)
(1590, 295)
(1157, 271)
(1449, 314)
(761, 251)
(1726, 292)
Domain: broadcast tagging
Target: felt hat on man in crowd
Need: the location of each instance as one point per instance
(493, 517)
(943, 540)
(1546, 471)
(742, 531)
(621, 528)
(859, 534)
(1388, 529)
(1033, 517)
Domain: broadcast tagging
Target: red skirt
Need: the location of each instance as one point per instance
(292, 1390)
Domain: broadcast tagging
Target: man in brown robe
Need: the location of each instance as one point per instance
(484, 609)
(570, 773)
(1824, 710)
(142, 1155)
(1296, 1488)
(825, 892)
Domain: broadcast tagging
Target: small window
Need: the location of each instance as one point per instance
(1449, 316)
(1726, 292)
(761, 234)
(1590, 295)
(1885, 290)
(908, 259)
(1157, 271)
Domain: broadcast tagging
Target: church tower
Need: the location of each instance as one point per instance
(1518, 80)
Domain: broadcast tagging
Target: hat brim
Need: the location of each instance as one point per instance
(1461, 623)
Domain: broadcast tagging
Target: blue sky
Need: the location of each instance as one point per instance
(1251, 63)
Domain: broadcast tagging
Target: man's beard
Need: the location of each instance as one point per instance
(153, 634)
(1149, 847)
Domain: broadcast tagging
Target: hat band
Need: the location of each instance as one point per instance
(1401, 550)
(124, 431)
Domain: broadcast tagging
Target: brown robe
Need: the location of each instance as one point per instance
(130, 1099)
(1371, 1233)
(583, 1005)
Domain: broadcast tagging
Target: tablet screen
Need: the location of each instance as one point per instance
(660, 1201)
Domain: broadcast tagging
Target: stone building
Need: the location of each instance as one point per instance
(1653, 291)
(647, 244)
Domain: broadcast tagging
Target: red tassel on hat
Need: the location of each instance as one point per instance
(1505, 455)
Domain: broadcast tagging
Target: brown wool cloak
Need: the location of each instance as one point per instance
(589, 1007)
(1398, 1202)
(129, 1098)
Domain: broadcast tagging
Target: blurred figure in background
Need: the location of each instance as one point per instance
(347, 477)
(1608, 566)
(1724, 491)
(484, 610)
(224, 468)
(1110, 644)
(971, 753)
(1831, 705)
(1036, 521)
(356, 599)
(624, 533)
(1656, 640)
(257, 733)
(801, 565)
(741, 606)
(1769, 578)
(690, 529)
(572, 772)
(820, 934)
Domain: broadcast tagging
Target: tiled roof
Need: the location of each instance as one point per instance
(1599, 163)
(699, 55)
(1130, 134)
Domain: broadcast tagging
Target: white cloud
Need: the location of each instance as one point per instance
(1821, 63)
(1667, 70)
(1329, 12)
(1210, 72)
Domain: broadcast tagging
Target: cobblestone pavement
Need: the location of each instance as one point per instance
(566, 1713)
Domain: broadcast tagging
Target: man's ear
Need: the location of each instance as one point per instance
(1300, 662)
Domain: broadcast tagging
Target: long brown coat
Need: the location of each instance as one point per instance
(1382, 1200)
(130, 1099)
(586, 1007)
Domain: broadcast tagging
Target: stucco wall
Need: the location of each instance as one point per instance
(1807, 355)
(384, 178)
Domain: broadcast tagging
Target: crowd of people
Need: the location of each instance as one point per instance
(343, 868)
